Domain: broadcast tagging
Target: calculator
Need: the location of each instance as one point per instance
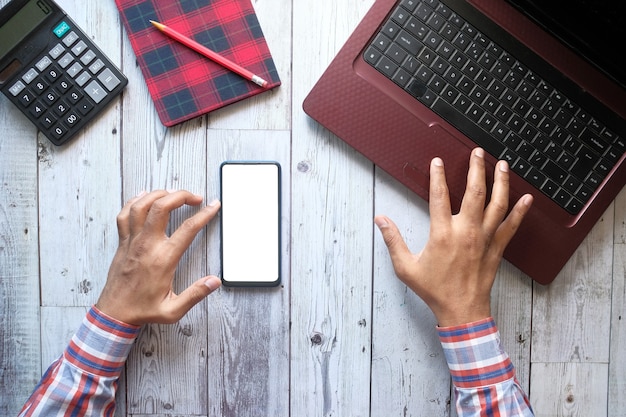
(51, 70)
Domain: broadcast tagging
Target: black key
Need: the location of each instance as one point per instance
(386, 66)
(401, 78)
(416, 28)
(449, 31)
(416, 88)
(396, 53)
(574, 206)
(424, 74)
(555, 172)
(583, 166)
(549, 187)
(462, 103)
(450, 94)
(593, 141)
(467, 126)
(535, 178)
(372, 55)
(408, 42)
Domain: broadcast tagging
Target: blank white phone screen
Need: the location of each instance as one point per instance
(250, 217)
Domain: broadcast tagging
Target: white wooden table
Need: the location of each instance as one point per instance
(341, 336)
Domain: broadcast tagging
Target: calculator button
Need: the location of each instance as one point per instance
(88, 57)
(53, 73)
(38, 110)
(60, 108)
(61, 29)
(109, 79)
(70, 39)
(39, 86)
(71, 119)
(66, 60)
(30, 75)
(95, 91)
(48, 120)
(17, 88)
(57, 51)
(59, 131)
(85, 107)
(79, 48)
(50, 97)
(63, 85)
(74, 69)
(74, 96)
(83, 78)
(26, 98)
(96, 66)
(43, 63)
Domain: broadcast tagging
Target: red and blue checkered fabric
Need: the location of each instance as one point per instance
(184, 84)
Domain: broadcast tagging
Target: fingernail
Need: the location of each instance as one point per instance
(141, 194)
(381, 222)
(214, 203)
(479, 152)
(503, 166)
(213, 283)
(438, 162)
(528, 200)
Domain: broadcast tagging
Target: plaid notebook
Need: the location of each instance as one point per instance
(184, 84)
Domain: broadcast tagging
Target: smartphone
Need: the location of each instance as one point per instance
(250, 223)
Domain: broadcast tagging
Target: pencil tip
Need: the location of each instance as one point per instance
(157, 24)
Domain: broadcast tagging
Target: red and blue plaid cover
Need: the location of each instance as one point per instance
(184, 84)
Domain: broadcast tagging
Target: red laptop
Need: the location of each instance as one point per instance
(537, 83)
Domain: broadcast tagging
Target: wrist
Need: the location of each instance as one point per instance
(462, 317)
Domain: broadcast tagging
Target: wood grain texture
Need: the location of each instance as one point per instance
(20, 355)
(341, 336)
(409, 371)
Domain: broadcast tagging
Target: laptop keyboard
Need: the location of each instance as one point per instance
(497, 101)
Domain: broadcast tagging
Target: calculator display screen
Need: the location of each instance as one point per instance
(22, 23)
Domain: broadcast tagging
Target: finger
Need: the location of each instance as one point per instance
(158, 214)
(398, 250)
(123, 218)
(439, 195)
(511, 224)
(184, 235)
(499, 203)
(140, 208)
(473, 204)
(196, 292)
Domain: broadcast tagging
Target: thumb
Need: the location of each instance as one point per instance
(195, 293)
(392, 237)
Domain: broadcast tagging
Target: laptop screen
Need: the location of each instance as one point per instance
(593, 28)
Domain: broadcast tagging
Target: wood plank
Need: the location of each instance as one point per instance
(571, 316)
(409, 371)
(19, 268)
(617, 364)
(569, 389)
(80, 187)
(332, 234)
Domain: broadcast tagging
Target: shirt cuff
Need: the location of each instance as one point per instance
(101, 344)
(474, 354)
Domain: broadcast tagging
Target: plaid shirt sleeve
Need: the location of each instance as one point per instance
(84, 379)
(482, 372)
